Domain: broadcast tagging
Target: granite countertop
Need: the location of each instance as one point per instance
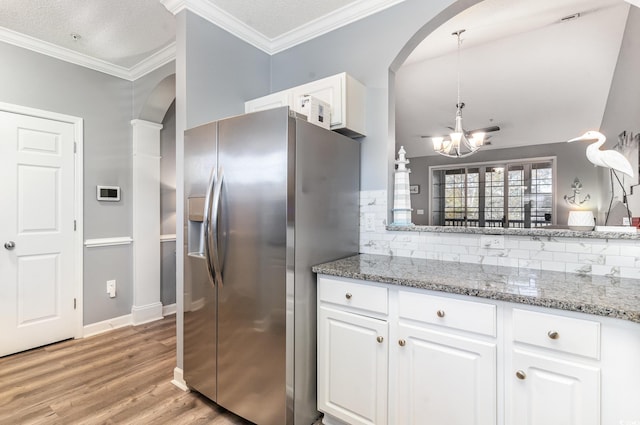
(551, 231)
(599, 295)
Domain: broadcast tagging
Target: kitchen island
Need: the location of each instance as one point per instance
(403, 340)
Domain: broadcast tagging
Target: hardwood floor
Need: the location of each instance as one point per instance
(119, 377)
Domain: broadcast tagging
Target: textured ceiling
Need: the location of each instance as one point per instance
(121, 32)
(125, 32)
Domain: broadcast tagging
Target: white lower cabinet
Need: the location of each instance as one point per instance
(352, 367)
(404, 356)
(444, 378)
(550, 391)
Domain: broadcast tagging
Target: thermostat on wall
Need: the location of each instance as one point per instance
(108, 193)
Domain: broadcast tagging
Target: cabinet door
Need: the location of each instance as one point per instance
(330, 90)
(352, 367)
(550, 391)
(444, 378)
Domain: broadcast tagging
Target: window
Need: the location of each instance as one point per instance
(509, 194)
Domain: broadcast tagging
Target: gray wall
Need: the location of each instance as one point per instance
(104, 103)
(222, 72)
(366, 49)
(571, 163)
(168, 206)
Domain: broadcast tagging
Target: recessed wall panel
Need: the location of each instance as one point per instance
(35, 141)
(38, 294)
(38, 198)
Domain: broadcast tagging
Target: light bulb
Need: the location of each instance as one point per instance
(437, 143)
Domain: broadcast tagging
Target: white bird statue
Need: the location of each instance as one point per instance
(613, 160)
(607, 158)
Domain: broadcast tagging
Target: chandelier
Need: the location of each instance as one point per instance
(460, 143)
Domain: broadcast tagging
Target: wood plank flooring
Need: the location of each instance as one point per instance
(119, 377)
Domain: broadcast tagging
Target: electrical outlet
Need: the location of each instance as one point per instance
(111, 288)
(420, 212)
(369, 222)
(492, 241)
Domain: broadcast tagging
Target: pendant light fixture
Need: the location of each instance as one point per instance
(460, 143)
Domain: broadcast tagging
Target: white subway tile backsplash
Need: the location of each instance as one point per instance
(573, 255)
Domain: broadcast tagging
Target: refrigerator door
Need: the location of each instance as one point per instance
(200, 295)
(254, 152)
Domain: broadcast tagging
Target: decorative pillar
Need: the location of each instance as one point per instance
(401, 195)
(146, 222)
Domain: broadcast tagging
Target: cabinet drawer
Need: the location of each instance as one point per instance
(575, 336)
(453, 313)
(352, 294)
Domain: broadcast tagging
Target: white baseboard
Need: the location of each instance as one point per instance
(106, 325)
(168, 310)
(178, 379)
(146, 313)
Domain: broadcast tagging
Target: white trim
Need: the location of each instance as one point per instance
(78, 254)
(107, 325)
(145, 123)
(168, 238)
(153, 62)
(350, 13)
(178, 379)
(146, 313)
(168, 310)
(123, 240)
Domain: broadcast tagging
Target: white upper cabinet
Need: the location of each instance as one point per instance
(343, 93)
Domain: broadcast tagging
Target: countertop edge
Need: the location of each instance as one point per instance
(539, 232)
(592, 309)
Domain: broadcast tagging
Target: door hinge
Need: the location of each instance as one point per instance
(75, 147)
(74, 225)
(74, 303)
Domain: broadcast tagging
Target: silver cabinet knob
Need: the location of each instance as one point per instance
(521, 375)
(380, 339)
(440, 313)
(10, 245)
(348, 295)
(402, 342)
(553, 334)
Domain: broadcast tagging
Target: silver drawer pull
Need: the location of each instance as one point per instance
(402, 342)
(553, 334)
(521, 375)
(440, 313)
(348, 295)
(380, 339)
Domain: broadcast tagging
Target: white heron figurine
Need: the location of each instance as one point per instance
(607, 158)
(613, 160)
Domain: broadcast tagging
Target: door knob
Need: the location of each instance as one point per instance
(10, 245)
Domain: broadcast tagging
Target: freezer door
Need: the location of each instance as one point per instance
(253, 158)
(199, 293)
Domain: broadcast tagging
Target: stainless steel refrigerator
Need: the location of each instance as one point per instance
(267, 195)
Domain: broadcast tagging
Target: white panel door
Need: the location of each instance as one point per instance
(445, 378)
(548, 391)
(36, 232)
(352, 367)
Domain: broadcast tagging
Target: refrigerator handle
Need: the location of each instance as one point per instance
(206, 224)
(215, 208)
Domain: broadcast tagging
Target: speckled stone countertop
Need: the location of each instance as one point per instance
(540, 231)
(599, 295)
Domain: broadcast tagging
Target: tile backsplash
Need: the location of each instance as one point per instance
(606, 257)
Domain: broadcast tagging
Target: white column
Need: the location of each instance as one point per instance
(401, 195)
(146, 222)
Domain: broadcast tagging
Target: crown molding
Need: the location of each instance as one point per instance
(221, 18)
(636, 3)
(341, 17)
(147, 65)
